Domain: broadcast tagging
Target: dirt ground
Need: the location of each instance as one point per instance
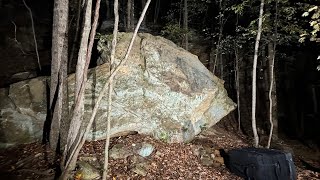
(167, 161)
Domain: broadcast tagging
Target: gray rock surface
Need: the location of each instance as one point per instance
(23, 109)
(163, 91)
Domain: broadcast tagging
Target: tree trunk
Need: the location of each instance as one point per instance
(75, 38)
(108, 7)
(132, 16)
(156, 11)
(217, 56)
(185, 24)
(273, 106)
(144, 22)
(113, 52)
(80, 141)
(237, 79)
(254, 77)
(129, 11)
(273, 118)
(58, 69)
(77, 115)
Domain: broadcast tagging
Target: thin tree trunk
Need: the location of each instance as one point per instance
(81, 74)
(113, 51)
(34, 33)
(132, 16)
(144, 22)
(82, 136)
(181, 11)
(216, 60)
(237, 76)
(272, 97)
(108, 7)
(74, 43)
(185, 24)
(129, 11)
(58, 68)
(254, 77)
(273, 117)
(77, 115)
(237, 79)
(156, 11)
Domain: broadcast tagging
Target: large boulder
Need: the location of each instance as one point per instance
(23, 109)
(162, 90)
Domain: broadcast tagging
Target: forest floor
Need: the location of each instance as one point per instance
(167, 161)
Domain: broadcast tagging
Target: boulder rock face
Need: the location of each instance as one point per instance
(162, 90)
(23, 109)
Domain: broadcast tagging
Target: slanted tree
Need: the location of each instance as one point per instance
(113, 52)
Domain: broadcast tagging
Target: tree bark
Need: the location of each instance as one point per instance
(129, 11)
(156, 11)
(273, 118)
(58, 69)
(108, 7)
(75, 38)
(144, 22)
(77, 115)
(254, 77)
(217, 55)
(113, 52)
(237, 79)
(273, 106)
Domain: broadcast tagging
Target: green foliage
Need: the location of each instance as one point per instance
(314, 14)
(239, 8)
(173, 32)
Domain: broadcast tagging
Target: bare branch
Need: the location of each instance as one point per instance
(34, 33)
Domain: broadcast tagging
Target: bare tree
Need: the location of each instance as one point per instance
(273, 118)
(75, 38)
(144, 22)
(59, 69)
(77, 115)
(34, 33)
(185, 24)
(81, 77)
(254, 77)
(113, 51)
(130, 15)
(218, 55)
(156, 11)
(237, 83)
(108, 7)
